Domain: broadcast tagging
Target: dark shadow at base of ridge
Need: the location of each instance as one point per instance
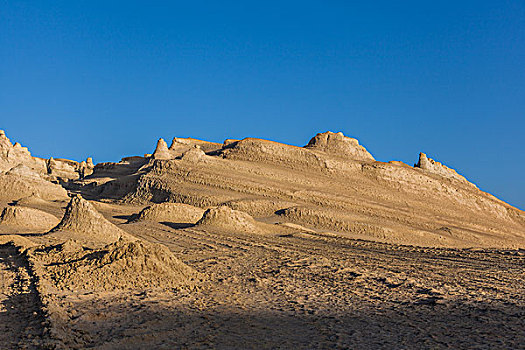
(129, 218)
(177, 225)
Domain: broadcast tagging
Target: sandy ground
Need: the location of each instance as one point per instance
(284, 291)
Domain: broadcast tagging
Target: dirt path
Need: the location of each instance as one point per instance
(20, 316)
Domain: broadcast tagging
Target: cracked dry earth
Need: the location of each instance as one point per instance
(302, 291)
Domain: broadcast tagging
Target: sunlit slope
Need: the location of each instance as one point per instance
(331, 185)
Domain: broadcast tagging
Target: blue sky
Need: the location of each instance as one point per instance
(107, 78)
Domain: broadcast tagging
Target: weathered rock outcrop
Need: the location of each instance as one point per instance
(23, 170)
(179, 146)
(85, 168)
(13, 155)
(63, 168)
(340, 145)
(432, 166)
(162, 151)
(264, 151)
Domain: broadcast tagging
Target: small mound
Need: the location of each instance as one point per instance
(228, 219)
(332, 220)
(28, 218)
(82, 221)
(194, 154)
(339, 144)
(121, 265)
(170, 212)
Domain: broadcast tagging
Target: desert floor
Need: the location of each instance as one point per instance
(304, 290)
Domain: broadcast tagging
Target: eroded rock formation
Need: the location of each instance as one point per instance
(340, 145)
(432, 166)
(13, 155)
(162, 151)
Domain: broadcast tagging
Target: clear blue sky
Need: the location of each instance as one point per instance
(107, 78)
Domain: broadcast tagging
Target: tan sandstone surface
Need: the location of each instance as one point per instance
(255, 244)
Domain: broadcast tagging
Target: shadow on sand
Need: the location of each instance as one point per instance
(458, 326)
